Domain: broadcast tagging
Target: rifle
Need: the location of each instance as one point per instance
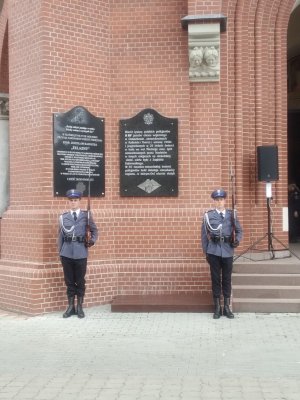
(233, 211)
(88, 227)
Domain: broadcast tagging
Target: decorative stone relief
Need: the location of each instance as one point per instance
(4, 153)
(204, 52)
(4, 106)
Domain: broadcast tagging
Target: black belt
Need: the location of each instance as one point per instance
(80, 239)
(222, 239)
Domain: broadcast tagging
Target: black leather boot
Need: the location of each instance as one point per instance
(227, 312)
(71, 308)
(80, 312)
(218, 310)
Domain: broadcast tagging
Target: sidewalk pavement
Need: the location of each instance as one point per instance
(167, 356)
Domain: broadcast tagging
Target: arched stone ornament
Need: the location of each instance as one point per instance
(204, 52)
(4, 153)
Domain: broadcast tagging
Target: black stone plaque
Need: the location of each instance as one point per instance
(149, 155)
(78, 152)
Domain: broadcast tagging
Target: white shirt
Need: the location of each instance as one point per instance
(222, 213)
(77, 212)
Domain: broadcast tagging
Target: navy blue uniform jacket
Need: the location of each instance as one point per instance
(220, 248)
(75, 249)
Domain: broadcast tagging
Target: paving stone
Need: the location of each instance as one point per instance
(163, 356)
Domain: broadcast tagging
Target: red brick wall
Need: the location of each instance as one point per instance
(116, 58)
(3, 51)
(4, 65)
(256, 90)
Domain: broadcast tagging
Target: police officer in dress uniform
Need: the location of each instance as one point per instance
(73, 250)
(218, 243)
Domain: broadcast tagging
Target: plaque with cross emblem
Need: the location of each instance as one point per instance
(149, 155)
(78, 152)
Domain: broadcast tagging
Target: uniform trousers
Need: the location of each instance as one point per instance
(220, 271)
(74, 274)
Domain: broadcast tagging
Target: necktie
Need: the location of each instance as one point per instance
(222, 215)
(74, 216)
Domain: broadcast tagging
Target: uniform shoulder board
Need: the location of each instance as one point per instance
(65, 213)
(211, 210)
(208, 212)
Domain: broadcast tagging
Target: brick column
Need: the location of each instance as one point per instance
(53, 66)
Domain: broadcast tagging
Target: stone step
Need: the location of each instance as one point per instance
(266, 291)
(266, 279)
(266, 285)
(266, 305)
(267, 267)
(199, 302)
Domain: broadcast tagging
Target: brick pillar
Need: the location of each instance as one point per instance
(52, 67)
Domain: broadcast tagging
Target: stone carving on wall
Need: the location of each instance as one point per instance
(4, 106)
(204, 52)
(4, 153)
(204, 62)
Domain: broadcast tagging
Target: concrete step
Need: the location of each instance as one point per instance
(266, 279)
(267, 267)
(266, 291)
(266, 305)
(270, 285)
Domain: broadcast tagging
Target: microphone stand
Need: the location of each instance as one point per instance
(269, 235)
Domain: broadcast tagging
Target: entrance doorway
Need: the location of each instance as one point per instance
(293, 67)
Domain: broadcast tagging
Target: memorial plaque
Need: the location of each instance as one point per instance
(149, 155)
(78, 152)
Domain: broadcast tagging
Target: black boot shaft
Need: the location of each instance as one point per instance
(71, 308)
(80, 312)
(218, 309)
(227, 312)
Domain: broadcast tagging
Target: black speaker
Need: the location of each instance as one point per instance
(267, 163)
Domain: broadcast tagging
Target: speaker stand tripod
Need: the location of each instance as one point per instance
(269, 235)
